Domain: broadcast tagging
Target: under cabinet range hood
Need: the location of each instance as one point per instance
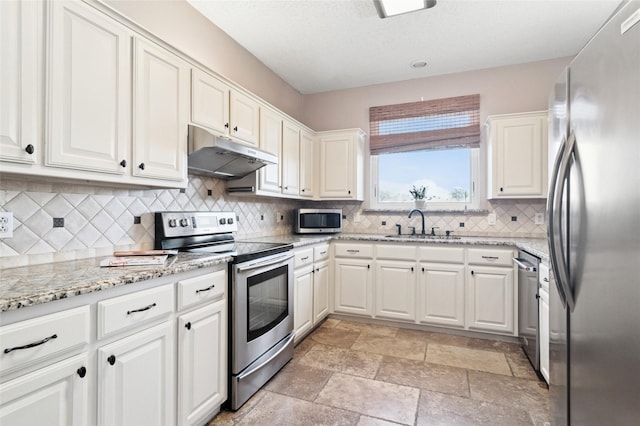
(213, 156)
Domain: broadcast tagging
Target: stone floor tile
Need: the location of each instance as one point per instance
(299, 381)
(435, 377)
(342, 360)
(226, 417)
(393, 346)
(472, 359)
(363, 328)
(302, 348)
(330, 323)
(436, 408)
(494, 345)
(275, 409)
(530, 395)
(372, 421)
(520, 366)
(334, 337)
(386, 401)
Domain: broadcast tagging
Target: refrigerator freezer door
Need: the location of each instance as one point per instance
(604, 342)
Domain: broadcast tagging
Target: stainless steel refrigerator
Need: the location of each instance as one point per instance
(594, 230)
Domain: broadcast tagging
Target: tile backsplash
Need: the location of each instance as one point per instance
(99, 219)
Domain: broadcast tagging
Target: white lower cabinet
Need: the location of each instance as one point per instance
(441, 294)
(321, 290)
(53, 395)
(303, 301)
(136, 379)
(353, 282)
(311, 288)
(202, 362)
(395, 289)
(490, 302)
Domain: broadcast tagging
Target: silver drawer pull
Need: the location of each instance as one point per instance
(31, 345)
(205, 289)
(490, 257)
(146, 308)
(353, 251)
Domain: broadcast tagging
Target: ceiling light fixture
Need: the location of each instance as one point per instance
(387, 8)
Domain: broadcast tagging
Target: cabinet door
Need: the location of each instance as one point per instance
(336, 166)
(544, 334)
(270, 141)
(395, 289)
(290, 158)
(520, 156)
(490, 299)
(320, 291)
(353, 288)
(245, 118)
(303, 302)
(20, 81)
(307, 184)
(53, 395)
(209, 102)
(202, 363)
(136, 379)
(161, 111)
(89, 90)
(441, 294)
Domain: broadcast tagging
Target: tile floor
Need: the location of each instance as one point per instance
(348, 373)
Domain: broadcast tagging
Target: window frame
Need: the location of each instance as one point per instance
(472, 204)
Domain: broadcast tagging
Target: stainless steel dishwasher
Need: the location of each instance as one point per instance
(528, 321)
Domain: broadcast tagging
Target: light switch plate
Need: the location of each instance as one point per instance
(491, 218)
(6, 225)
(538, 219)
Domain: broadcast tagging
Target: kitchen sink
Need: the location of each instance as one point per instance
(424, 237)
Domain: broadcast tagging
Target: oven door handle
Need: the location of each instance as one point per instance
(285, 344)
(271, 261)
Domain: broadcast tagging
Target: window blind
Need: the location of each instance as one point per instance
(435, 124)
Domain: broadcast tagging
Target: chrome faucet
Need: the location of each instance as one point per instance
(421, 215)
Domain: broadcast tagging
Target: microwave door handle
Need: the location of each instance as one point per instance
(561, 257)
(551, 228)
(271, 261)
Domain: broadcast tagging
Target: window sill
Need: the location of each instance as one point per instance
(470, 212)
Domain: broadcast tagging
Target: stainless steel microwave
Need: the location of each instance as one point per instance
(318, 221)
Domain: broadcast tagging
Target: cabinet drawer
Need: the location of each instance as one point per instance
(397, 252)
(199, 289)
(353, 250)
(32, 340)
(321, 252)
(134, 309)
(441, 254)
(303, 257)
(543, 277)
(494, 257)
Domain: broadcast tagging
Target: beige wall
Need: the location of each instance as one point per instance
(516, 88)
(181, 26)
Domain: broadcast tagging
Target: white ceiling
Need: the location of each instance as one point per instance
(323, 45)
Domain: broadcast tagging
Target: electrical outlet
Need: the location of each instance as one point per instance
(6, 225)
(539, 219)
(491, 218)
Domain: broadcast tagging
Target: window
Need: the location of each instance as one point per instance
(434, 144)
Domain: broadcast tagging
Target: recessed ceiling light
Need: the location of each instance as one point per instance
(419, 64)
(387, 8)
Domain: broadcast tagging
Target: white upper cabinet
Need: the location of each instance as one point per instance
(307, 161)
(161, 111)
(518, 155)
(209, 102)
(270, 141)
(245, 118)
(89, 80)
(21, 72)
(341, 165)
(290, 158)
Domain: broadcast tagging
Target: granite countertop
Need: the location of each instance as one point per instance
(33, 285)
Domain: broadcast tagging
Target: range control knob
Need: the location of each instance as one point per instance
(230, 221)
(223, 221)
(184, 222)
(173, 223)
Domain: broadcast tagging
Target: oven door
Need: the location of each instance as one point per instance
(262, 311)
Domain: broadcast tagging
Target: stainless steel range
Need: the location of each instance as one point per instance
(260, 289)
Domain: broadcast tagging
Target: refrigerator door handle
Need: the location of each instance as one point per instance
(551, 228)
(561, 267)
